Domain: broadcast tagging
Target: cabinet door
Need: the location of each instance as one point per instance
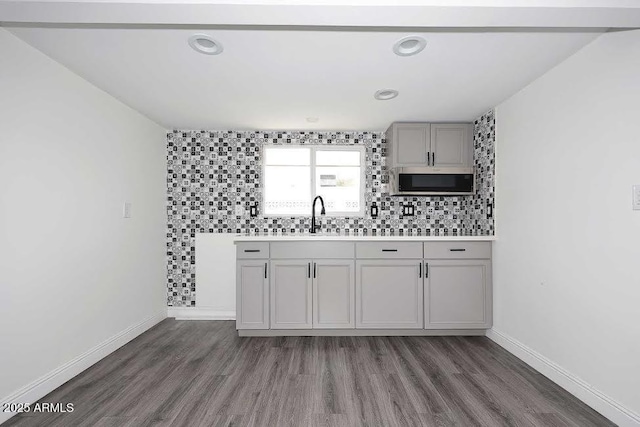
(410, 144)
(333, 294)
(252, 295)
(457, 294)
(291, 294)
(389, 294)
(451, 144)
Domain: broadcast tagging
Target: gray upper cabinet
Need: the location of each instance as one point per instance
(291, 298)
(252, 293)
(408, 144)
(333, 294)
(429, 144)
(451, 144)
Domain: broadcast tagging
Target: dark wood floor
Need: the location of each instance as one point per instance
(200, 373)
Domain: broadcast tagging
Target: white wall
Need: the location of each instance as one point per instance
(216, 274)
(568, 153)
(73, 272)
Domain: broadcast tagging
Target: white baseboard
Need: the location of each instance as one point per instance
(54, 379)
(200, 313)
(613, 410)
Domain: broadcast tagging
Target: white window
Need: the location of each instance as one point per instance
(294, 175)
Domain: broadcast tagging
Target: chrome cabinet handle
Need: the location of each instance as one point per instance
(457, 250)
(420, 270)
(314, 270)
(426, 270)
(265, 270)
(389, 250)
(309, 271)
(252, 250)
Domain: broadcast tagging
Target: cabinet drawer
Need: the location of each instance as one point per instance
(252, 250)
(457, 250)
(384, 250)
(312, 250)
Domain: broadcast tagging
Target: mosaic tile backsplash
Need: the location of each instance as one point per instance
(211, 173)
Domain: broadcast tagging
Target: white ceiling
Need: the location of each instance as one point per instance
(275, 79)
(287, 60)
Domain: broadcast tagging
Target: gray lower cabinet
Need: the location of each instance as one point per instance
(333, 294)
(457, 294)
(252, 293)
(389, 294)
(364, 285)
(291, 294)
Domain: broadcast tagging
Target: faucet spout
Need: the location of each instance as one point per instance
(315, 227)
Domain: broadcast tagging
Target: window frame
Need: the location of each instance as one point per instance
(312, 167)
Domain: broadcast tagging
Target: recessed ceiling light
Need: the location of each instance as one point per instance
(410, 45)
(384, 94)
(312, 119)
(205, 44)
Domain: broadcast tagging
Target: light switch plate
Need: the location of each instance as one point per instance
(374, 210)
(239, 210)
(636, 197)
(126, 210)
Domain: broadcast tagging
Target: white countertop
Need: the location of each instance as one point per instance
(356, 238)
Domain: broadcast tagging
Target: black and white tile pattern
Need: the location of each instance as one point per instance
(213, 178)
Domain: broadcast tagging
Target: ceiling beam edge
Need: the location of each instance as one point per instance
(131, 13)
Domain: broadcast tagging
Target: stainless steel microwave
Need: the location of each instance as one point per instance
(432, 181)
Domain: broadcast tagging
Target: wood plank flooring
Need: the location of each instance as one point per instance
(200, 373)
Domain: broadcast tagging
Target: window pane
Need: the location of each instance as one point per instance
(287, 156)
(339, 187)
(287, 190)
(337, 158)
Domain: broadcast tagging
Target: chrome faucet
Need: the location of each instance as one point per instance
(315, 227)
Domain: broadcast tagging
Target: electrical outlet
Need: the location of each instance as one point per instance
(253, 211)
(408, 210)
(126, 210)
